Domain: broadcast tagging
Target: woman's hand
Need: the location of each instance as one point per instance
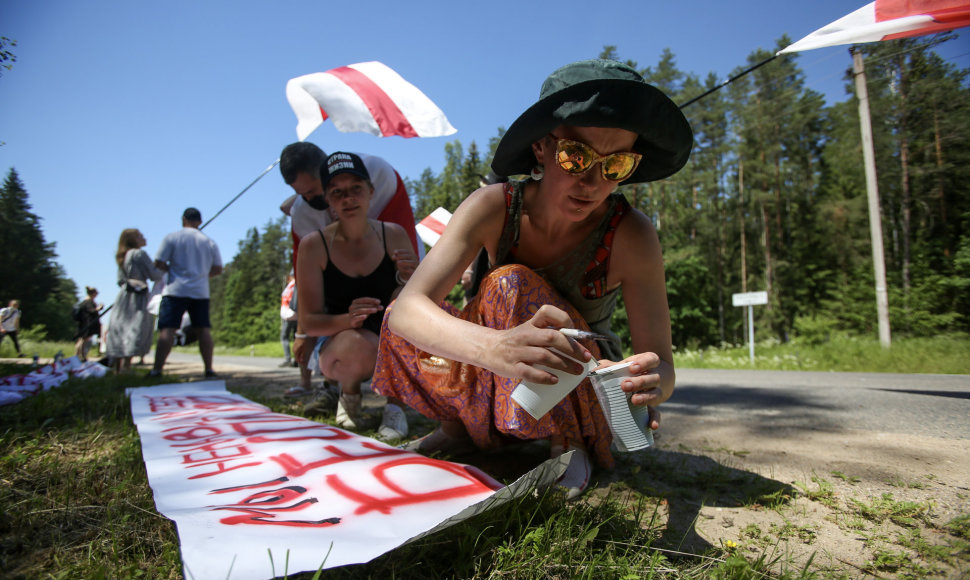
(361, 308)
(405, 262)
(644, 384)
(518, 350)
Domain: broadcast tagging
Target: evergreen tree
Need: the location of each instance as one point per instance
(779, 123)
(28, 271)
(711, 226)
(919, 106)
(774, 198)
(7, 58)
(246, 297)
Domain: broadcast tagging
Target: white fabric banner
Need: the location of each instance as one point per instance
(250, 489)
(16, 388)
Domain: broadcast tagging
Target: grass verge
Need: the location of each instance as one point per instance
(76, 504)
(936, 355)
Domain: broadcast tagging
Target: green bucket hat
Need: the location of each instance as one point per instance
(601, 93)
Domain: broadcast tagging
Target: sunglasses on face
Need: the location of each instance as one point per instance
(576, 157)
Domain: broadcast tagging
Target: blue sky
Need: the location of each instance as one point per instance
(120, 114)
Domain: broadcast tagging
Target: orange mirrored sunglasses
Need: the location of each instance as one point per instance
(576, 157)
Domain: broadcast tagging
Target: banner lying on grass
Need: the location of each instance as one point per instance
(257, 494)
(16, 388)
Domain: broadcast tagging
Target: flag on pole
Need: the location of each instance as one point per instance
(365, 97)
(886, 20)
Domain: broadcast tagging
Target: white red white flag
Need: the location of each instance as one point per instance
(365, 97)
(430, 228)
(886, 20)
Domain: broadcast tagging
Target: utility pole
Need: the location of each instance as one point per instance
(872, 188)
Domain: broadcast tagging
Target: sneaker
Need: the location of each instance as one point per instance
(285, 364)
(154, 373)
(211, 374)
(575, 480)
(296, 391)
(324, 404)
(394, 425)
(348, 411)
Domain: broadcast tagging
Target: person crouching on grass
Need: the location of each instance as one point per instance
(348, 273)
(562, 246)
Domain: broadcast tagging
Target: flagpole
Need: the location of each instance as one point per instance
(238, 195)
(731, 80)
(872, 188)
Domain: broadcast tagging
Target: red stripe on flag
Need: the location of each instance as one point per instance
(324, 115)
(433, 225)
(947, 14)
(386, 113)
(891, 9)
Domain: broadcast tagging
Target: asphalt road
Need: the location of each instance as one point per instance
(924, 405)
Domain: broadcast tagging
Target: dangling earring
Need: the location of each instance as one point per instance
(537, 172)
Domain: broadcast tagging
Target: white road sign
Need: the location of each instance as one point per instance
(749, 299)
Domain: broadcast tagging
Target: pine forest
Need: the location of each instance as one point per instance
(773, 199)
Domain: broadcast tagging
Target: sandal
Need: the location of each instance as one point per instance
(296, 391)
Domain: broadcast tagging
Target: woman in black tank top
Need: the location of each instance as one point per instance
(347, 274)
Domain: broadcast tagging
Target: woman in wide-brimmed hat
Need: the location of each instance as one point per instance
(562, 245)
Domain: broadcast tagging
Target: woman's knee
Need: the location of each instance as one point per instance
(350, 353)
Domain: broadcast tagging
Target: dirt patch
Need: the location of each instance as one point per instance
(853, 501)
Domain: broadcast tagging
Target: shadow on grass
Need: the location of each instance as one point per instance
(689, 482)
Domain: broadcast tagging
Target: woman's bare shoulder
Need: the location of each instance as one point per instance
(312, 240)
(397, 236)
(636, 227)
(636, 247)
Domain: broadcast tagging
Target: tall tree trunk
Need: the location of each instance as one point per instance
(766, 236)
(719, 258)
(779, 207)
(904, 186)
(744, 245)
(939, 180)
(693, 213)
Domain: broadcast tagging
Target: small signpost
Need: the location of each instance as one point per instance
(750, 299)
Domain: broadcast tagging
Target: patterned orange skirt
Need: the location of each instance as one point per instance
(446, 390)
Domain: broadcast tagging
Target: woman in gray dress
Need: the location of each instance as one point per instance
(130, 329)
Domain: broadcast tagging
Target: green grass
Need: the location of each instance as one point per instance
(76, 504)
(75, 500)
(937, 355)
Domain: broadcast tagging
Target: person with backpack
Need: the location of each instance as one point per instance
(87, 315)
